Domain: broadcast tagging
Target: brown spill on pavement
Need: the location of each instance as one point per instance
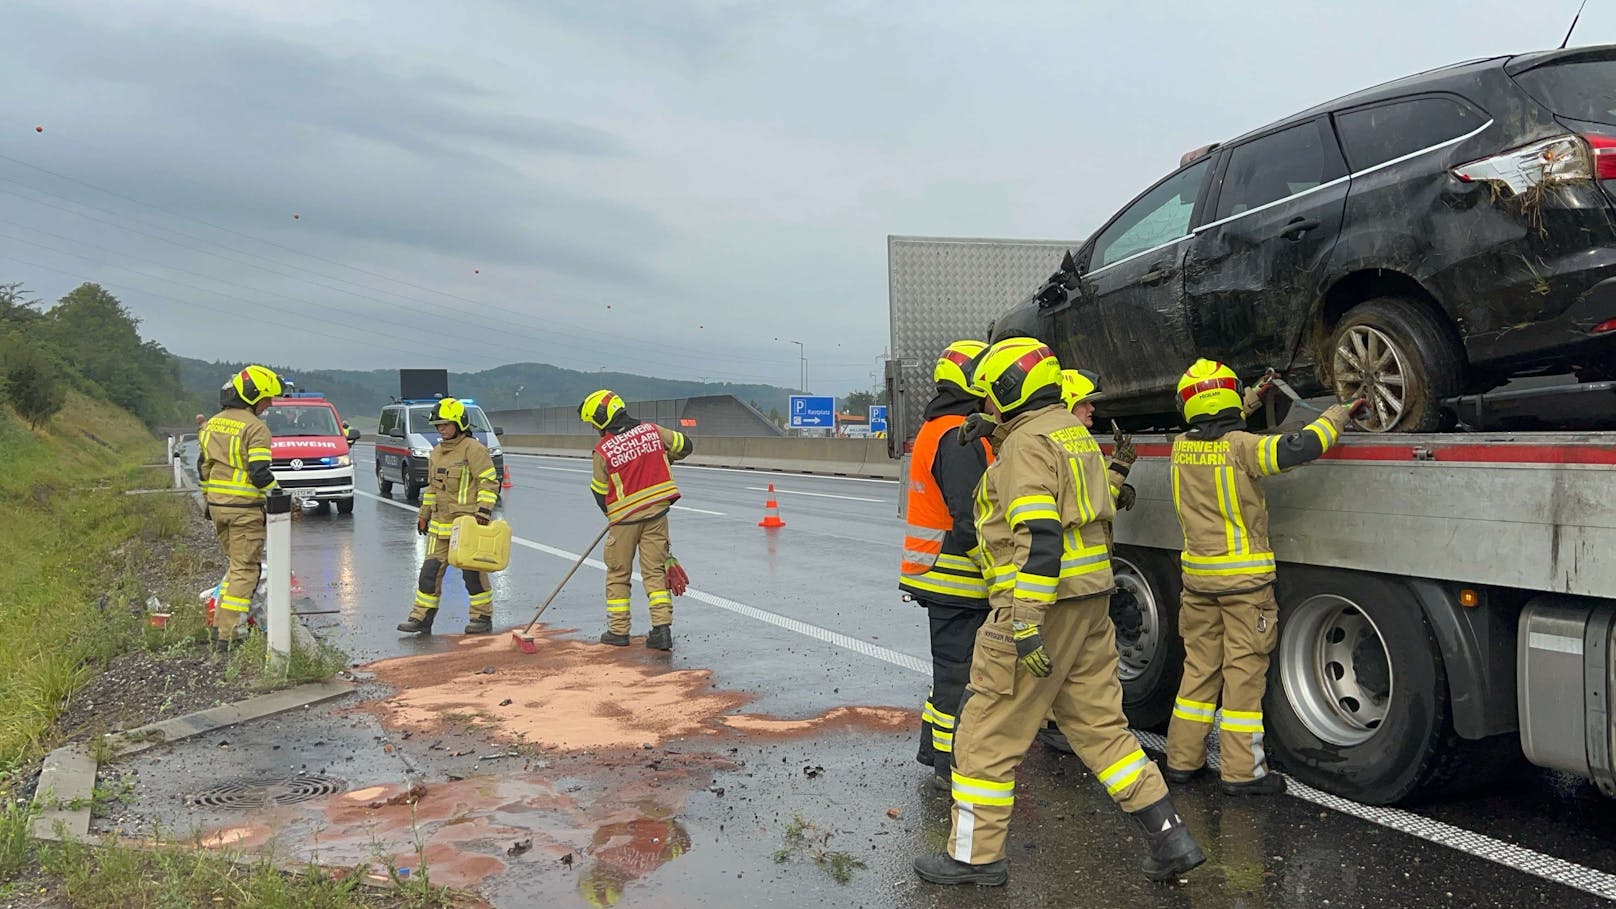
(597, 807)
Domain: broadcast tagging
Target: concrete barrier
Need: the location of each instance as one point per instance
(830, 457)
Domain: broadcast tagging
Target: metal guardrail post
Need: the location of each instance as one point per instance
(278, 562)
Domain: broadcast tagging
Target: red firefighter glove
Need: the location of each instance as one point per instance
(420, 526)
(1358, 408)
(678, 582)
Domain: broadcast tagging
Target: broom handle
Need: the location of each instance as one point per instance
(570, 572)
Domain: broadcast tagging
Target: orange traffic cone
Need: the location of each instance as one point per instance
(771, 512)
(507, 484)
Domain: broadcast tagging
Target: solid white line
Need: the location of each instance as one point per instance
(756, 473)
(557, 469)
(817, 495)
(716, 514)
(1517, 858)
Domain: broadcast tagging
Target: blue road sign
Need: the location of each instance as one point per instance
(809, 412)
(878, 418)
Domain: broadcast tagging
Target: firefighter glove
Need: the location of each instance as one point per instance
(1030, 650)
(420, 526)
(1124, 453)
(977, 426)
(1357, 408)
(675, 577)
(483, 518)
(1125, 497)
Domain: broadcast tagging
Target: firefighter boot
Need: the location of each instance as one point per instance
(1267, 784)
(940, 868)
(480, 624)
(614, 639)
(1052, 737)
(660, 638)
(419, 626)
(1173, 851)
(1178, 777)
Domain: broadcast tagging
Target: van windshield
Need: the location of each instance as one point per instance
(292, 422)
(1580, 90)
(421, 420)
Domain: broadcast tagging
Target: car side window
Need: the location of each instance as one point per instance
(389, 421)
(1385, 132)
(1159, 216)
(1270, 168)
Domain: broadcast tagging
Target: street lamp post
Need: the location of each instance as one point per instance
(802, 357)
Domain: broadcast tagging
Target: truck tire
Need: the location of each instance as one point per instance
(383, 485)
(1358, 701)
(1415, 363)
(1151, 667)
(345, 506)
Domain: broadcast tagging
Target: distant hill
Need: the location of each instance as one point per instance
(362, 393)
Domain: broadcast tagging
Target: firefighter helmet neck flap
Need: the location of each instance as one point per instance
(600, 408)
(1018, 374)
(1209, 389)
(952, 374)
(452, 411)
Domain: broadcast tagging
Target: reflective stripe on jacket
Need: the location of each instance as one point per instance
(937, 565)
(1217, 492)
(460, 480)
(1041, 514)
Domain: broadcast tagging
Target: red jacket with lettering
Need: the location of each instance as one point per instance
(632, 479)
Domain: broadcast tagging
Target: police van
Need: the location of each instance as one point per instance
(311, 448)
(405, 438)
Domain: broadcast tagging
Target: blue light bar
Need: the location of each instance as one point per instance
(304, 394)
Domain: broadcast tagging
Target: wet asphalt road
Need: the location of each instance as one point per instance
(832, 568)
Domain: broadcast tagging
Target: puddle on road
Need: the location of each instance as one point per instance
(582, 806)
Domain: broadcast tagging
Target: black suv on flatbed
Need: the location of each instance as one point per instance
(1426, 238)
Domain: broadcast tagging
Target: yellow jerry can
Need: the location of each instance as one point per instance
(475, 547)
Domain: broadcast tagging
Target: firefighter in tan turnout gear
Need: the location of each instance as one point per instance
(1040, 514)
(1227, 616)
(633, 485)
(460, 481)
(938, 570)
(233, 467)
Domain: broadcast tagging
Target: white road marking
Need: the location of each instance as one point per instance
(716, 514)
(755, 473)
(1517, 858)
(817, 495)
(556, 469)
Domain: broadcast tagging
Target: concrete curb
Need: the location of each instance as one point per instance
(67, 776)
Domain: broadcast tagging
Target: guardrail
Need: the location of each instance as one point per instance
(831, 457)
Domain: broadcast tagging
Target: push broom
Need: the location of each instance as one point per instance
(524, 638)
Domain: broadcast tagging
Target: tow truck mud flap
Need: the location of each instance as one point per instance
(1567, 676)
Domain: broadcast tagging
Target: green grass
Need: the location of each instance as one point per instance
(807, 839)
(122, 877)
(249, 663)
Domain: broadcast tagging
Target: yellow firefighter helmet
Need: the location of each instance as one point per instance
(256, 383)
(1206, 388)
(1012, 371)
(950, 372)
(451, 410)
(1079, 385)
(600, 408)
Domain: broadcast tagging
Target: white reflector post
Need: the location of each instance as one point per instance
(278, 562)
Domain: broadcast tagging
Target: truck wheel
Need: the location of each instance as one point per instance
(1403, 358)
(1150, 667)
(345, 506)
(322, 507)
(1358, 700)
(383, 485)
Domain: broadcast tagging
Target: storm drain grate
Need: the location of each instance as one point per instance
(262, 792)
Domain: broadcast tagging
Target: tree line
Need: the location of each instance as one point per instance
(87, 342)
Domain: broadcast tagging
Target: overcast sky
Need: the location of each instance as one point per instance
(652, 186)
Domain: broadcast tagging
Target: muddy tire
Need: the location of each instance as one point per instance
(1358, 701)
(1152, 666)
(1403, 357)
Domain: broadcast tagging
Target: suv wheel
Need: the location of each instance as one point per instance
(1400, 356)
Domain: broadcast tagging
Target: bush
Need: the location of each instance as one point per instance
(33, 384)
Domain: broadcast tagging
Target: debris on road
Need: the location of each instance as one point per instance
(519, 848)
